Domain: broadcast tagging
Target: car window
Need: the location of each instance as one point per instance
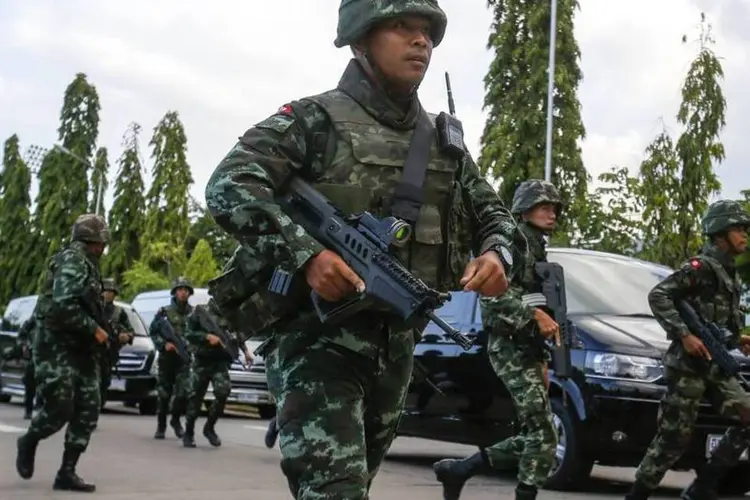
(148, 306)
(17, 312)
(600, 284)
(139, 329)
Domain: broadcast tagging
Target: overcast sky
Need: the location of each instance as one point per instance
(226, 64)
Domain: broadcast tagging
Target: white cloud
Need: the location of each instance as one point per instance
(226, 64)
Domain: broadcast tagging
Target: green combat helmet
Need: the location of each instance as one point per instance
(722, 215)
(109, 285)
(357, 17)
(182, 282)
(90, 228)
(533, 192)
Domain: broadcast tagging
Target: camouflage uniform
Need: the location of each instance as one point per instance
(121, 323)
(341, 388)
(210, 366)
(173, 379)
(65, 351)
(709, 283)
(518, 362)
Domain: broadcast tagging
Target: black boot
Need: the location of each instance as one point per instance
(454, 473)
(210, 433)
(188, 438)
(271, 434)
(161, 426)
(26, 456)
(706, 483)
(176, 425)
(639, 491)
(28, 405)
(67, 479)
(525, 492)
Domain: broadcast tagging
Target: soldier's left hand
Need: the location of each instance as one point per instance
(124, 338)
(486, 275)
(745, 345)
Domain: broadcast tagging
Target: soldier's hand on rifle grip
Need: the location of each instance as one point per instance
(213, 339)
(170, 347)
(486, 275)
(695, 347)
(101, 336)
(547, 326)
(331, 277)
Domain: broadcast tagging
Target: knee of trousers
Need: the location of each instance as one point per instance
(541, 435)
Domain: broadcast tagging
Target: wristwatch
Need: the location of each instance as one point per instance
(506, 256)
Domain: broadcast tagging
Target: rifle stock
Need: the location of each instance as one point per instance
(715, 338)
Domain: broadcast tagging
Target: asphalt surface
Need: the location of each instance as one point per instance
(126, 463)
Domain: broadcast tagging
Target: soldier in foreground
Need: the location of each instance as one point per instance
(341, 387)
(710, 284)
(119, 319)
(210, 366)
(517, 360)
(65, 353)
(173, 379)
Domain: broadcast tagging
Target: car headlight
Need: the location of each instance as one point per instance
(622, 366)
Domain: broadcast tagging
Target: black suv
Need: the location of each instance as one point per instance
(605, 414)
(136, 383)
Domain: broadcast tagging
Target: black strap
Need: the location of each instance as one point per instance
(408, 197)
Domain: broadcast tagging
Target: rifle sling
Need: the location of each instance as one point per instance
(408, 196)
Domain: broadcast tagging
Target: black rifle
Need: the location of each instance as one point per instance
(94, 305)
(209, 324)
(715, 338)
(170, 337)
(552, 300)
(362, 241)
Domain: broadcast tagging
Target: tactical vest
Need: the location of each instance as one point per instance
(177, 319)
(720, 304)
(363, 173)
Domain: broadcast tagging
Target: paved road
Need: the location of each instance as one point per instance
(127, 464)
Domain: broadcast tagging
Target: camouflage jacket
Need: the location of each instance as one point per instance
(177, 314)
(62, 319)
(195, 334)
(119, 318)
(709, 282)
(508, 315)
(351, 144)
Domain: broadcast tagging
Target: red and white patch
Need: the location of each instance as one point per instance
(695, 264)
(286, 109)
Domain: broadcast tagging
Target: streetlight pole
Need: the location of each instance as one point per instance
(550, 88)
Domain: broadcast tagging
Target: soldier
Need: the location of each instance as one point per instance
(271, 433)
(119, 319)
(65, 352)
(173, 378)
(210, 365)
(516, 360)
(710, 284)
(341, 388)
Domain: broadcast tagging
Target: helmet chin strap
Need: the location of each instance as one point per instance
(372, 69)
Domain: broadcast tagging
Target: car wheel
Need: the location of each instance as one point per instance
(4, 398)
(571, 467)
(737, 482)
(267, 411)
(147, 407)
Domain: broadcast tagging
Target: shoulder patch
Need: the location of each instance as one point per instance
(280, 121)
(695, 264)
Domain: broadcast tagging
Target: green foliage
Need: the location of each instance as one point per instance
(127, 217)
(99, 178)
(201, 267)
(141, 278)
(204, 227)
(15, 238)
(514, 137)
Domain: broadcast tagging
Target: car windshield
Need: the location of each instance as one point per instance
(139, 329)
(17, 312)
(602, 284)
(148, 306)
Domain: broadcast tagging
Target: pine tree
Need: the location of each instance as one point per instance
(99, 177)
(514, 137)
(127, 217)
(63, 176)
(15, 239)
(201, 267)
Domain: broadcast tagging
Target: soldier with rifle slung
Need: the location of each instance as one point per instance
(119, 320)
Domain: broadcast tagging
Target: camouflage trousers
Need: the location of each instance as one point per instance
(337, 415)
(677, 414)
(202, 373)
(172, 384)
(70, 395)
(534, 449)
